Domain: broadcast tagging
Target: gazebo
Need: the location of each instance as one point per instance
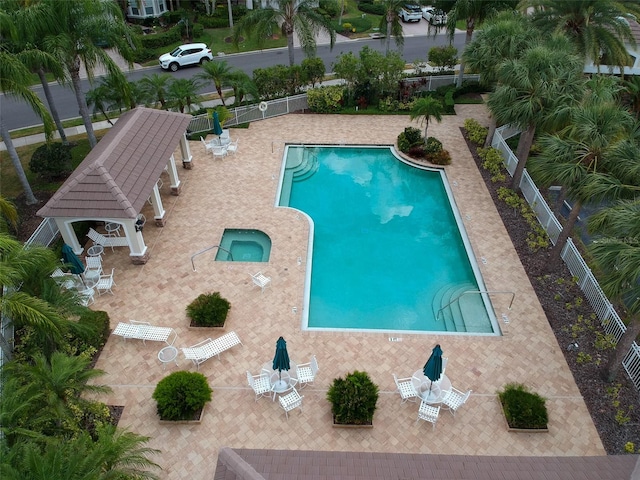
(120, 174)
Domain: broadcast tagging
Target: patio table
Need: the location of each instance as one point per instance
(430, 392)
(279, 385)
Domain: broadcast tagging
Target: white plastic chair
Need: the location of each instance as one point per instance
(93, 263)
(86, 296)
(306, 372)
(232, 147)
(406, 389)
(428, 413)
(105, 283)
(290, 401)
(208, 146)
(219, 151)
(261, 280)
(260, 384)
(454, 399)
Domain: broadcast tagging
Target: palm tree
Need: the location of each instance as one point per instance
(502, 37)
(473, 12)
(242, 86)
(15, 79)
(8, 215)
(33, 21)
(598, 28)
(424, 109)
(617, 261)
(632, 88)
(219, 73)
(297, 16)
(182, 93)
(390, 22)
(78, 26)
(590, 159)
(17, 267)
(155, 88)
(531, 89)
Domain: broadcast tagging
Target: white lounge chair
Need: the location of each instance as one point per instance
(406, 389)
(203, 351)
(428, 413)
(145, 331)
(100, 239)
(260, 384)
(454, 399)
(261, 280)
(290, 401)
(306, 372)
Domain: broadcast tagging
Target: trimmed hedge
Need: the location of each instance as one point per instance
(51, 161)
(326, 99)
(181, 395)
(209, 310)
(158, 40)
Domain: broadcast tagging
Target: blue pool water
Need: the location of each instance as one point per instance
(244, 246)
(387, 249)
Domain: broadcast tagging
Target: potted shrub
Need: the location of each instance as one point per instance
(182, 396)
(353, 400)
(208, 310)
(523, 410)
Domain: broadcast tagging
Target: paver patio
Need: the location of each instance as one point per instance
(239, 192)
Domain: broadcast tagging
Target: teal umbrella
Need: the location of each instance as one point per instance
(281, 358)
(217, 128)
(433, 368)
(70, 258)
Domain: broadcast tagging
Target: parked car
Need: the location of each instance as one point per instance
(410, 13)
(434, 16)
(183, 55)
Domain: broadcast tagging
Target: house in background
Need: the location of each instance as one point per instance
(633, 68)
(146, 8)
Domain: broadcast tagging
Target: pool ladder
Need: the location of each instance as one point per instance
(193, 265)
(477, 292)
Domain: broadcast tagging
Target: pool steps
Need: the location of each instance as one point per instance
(301, 164)
(460, 313)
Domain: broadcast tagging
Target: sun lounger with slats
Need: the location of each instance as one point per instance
(206, 349)
(145, 331)
(100, 239)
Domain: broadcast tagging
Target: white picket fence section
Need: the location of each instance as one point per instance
(609, 318)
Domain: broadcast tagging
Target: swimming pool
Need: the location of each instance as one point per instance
(387, 253)
(247, 245)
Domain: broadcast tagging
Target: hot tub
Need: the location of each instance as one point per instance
(238, 245)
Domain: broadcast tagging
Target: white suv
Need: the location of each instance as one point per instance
(410, 13)
(189, 54)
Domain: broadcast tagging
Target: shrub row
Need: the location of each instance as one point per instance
(493, 162)
(368, 6)
(158, 40)
(476, 132)
(537, 238)
(325, 99)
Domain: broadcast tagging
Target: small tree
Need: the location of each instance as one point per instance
(444, 57)
(51, 161)
(353, 399)
(312, 70)
(425, 108)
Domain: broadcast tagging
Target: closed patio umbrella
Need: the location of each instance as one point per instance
(433, 368)
(281, 358)
(217, 128)
(77, 267)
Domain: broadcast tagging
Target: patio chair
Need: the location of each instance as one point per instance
(428, 413)
(232, 147)
(454, 399)
(93, 263)
(219, 151)
(261, 280)
(260, 384)
(290, 401)
(105, 283)
(208, 146)
(306, 372)
(86, 296)
(406, 389)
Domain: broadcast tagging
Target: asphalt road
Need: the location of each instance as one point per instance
(17, 114)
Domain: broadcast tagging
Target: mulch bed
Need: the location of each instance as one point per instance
(614, 407)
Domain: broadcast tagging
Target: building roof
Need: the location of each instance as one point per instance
(118, 175)
(250, 464)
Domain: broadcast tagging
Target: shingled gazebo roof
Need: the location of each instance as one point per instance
(118, 175)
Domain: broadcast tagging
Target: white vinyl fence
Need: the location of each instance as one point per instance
(609, 318)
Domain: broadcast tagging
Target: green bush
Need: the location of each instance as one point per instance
(432, 145)
(443, 57)
(181, 395)
(313, 70)
(143, 55)
(522, 408)
(158, 40)
(278, 80)
(469, 87)
(370, 7)
(439, 158)
(353, 399)
(493, 163)
(90, 333)
(409, 138)
(198, 30)
(476, 132)
(449, 103)
(330, 7)
(51, 161)
(325, 99)
(537, 238)
(208, 310)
